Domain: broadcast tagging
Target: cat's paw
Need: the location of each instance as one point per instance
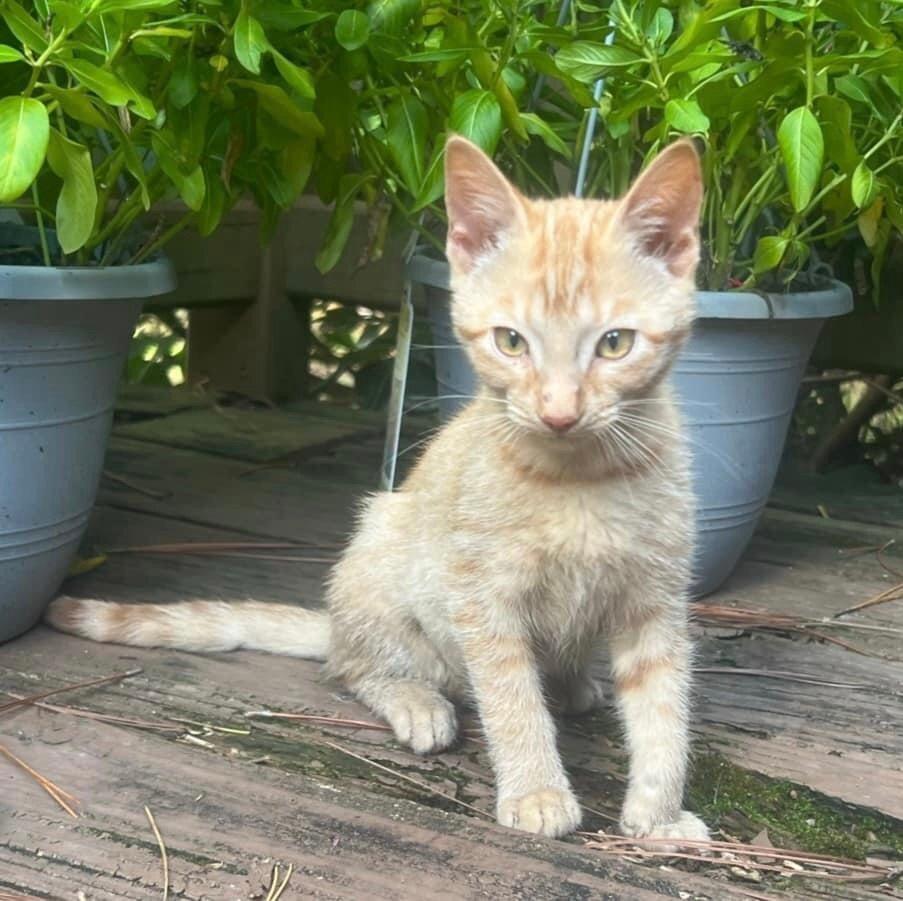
(687, 827)
(550, 811)
(423, 720)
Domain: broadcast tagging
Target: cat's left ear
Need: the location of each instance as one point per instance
(484, 210)
(662, 208)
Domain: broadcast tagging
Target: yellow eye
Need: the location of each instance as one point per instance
(616, 344)
(510, 342)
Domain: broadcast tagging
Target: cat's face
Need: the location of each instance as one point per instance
(571, 309)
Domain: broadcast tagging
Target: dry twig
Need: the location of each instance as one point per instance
(102, 717)
(31, 699)
(165, 859)
(430, 789)
(823, 866)
(778, 674)
(63, 798)
(127, 483)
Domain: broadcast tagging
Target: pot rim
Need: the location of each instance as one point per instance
(834, 300)
(139, 280)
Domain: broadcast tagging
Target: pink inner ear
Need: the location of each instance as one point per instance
(482, 206)
(662, 208)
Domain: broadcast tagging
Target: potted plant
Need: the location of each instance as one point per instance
(797, 106)
(107, 111)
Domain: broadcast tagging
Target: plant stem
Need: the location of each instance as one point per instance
(810, 67)
(45, 250)
(163, 239)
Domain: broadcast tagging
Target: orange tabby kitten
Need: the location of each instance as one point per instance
(555, 510)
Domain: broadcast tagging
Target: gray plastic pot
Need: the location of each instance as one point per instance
(64, 334)
(737, 380)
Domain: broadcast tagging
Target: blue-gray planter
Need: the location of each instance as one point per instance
(737, 379)
(64, 334)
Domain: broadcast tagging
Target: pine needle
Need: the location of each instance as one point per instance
(429, 789)
(276, 888)
(59, 795)
(30, 699)
(822, 866)
(165, 859)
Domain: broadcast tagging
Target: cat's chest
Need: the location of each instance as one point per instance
(588, 523)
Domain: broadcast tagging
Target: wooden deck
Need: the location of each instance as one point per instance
(800, 737)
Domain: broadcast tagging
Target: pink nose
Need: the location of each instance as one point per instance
(560, 422)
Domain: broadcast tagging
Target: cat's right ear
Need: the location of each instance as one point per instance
(484, 210)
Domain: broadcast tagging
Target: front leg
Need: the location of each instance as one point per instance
(651, 668)
(533, 792)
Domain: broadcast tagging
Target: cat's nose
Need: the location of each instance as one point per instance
(559, 422)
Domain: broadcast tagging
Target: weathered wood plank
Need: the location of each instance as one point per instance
(306, 804)
(224, 820)
(258, 436)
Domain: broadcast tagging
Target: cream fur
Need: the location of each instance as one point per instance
(511, 551)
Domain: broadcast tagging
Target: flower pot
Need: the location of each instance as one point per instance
(64, 334)
(737, 381)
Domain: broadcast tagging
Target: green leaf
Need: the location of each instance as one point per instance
(77, 105)
(836, 119)
(537, 126)
(854, 87)
(283, 109)
(864, 186)
(101, 82)
(434, 180)
(352, 28)
(586, 61)
(189, 182)
(183, 83)
(192, 188)
(296, 160)
(211, 212)
(336, 107)
(443, 55)
(23, 26)
(686, 116)
(24, 133)
(391, 16)
(406, 133)
(476, 114)
(769, 253)
(77, 201)
(661, 26)
(10, 55)
(111, 6)
(339, 227)
(250, 41)
(296, 77)
(802, 148)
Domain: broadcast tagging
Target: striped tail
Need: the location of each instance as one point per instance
(197, 625)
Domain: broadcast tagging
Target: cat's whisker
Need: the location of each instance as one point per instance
(659, 428)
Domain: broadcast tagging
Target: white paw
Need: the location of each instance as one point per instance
(687, 827)
(549, 811)
(423, 720)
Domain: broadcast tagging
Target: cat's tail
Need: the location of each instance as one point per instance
(197, 625)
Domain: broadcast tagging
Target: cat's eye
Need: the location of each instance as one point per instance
(616, 344)
(510, 342)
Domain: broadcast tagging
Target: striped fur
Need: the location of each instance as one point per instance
(513, 550)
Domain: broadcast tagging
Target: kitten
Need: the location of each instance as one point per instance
(555, 510)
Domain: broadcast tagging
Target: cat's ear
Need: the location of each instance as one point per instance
(662, 208)
(483, 208)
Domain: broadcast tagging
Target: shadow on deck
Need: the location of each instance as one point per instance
(799, 737)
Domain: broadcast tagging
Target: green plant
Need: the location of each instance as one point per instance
(108, 107)
(797, 103)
